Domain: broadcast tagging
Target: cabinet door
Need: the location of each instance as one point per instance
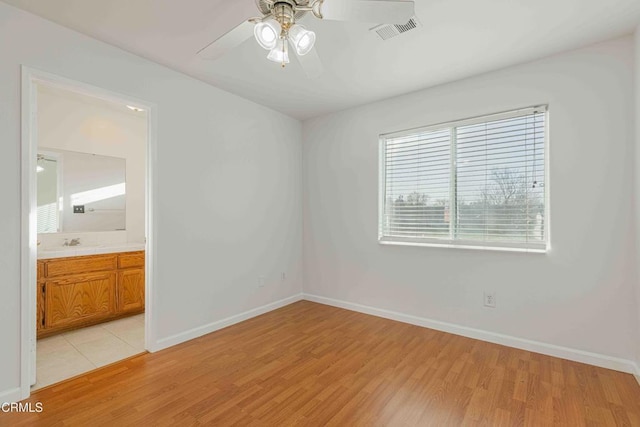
(79, 299)
(131, 290)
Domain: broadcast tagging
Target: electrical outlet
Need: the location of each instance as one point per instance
(261, 282)
(490, 299)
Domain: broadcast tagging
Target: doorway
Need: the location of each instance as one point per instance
(87, 228)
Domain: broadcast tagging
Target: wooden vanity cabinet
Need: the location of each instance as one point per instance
(81, 291)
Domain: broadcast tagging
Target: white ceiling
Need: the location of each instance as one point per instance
(459, 38)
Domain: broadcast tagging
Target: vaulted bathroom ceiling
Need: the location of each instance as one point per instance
(457, 39)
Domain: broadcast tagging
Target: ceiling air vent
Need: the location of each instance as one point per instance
(387, 31)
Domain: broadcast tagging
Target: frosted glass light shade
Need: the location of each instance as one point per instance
(267, 33)
(280, 53)
(302, 39)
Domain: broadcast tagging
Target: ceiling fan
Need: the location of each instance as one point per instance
(278, 30)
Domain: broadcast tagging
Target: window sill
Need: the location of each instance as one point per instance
(385, 241)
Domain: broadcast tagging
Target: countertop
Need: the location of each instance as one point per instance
(81, 250)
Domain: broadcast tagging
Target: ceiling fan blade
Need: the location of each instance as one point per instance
(227, 41)
(372, 11)
(311, 64)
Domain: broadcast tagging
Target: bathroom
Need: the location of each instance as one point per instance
(91, 227)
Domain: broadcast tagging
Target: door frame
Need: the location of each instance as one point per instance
(29, 237)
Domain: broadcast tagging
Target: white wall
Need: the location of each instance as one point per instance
(580, 295)
(636, 118)
(71, 122)
(228, 184)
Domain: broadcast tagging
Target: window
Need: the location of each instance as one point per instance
(473, 183)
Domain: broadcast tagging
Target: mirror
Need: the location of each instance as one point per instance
(80, 192)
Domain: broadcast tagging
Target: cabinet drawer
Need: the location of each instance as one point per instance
(131, 260)
(80, 265)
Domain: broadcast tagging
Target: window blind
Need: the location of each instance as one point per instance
(476, 182)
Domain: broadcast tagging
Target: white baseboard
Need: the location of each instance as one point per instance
(13, 395)
(507, 340)
(167, 342)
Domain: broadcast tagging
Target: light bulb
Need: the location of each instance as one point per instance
(267, 33)
(302, 39)
(280, 53)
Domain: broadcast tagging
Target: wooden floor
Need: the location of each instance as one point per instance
(314, 365)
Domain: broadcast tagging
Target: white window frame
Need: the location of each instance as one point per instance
(451, 242)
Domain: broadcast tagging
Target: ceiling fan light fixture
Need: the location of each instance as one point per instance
(302, 39)
(280, 53)
(267, 33)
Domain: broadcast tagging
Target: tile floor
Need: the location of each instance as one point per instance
(72, 353)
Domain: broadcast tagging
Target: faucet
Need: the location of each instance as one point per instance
(73, 242)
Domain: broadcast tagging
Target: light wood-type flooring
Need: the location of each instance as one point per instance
(312, 365)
